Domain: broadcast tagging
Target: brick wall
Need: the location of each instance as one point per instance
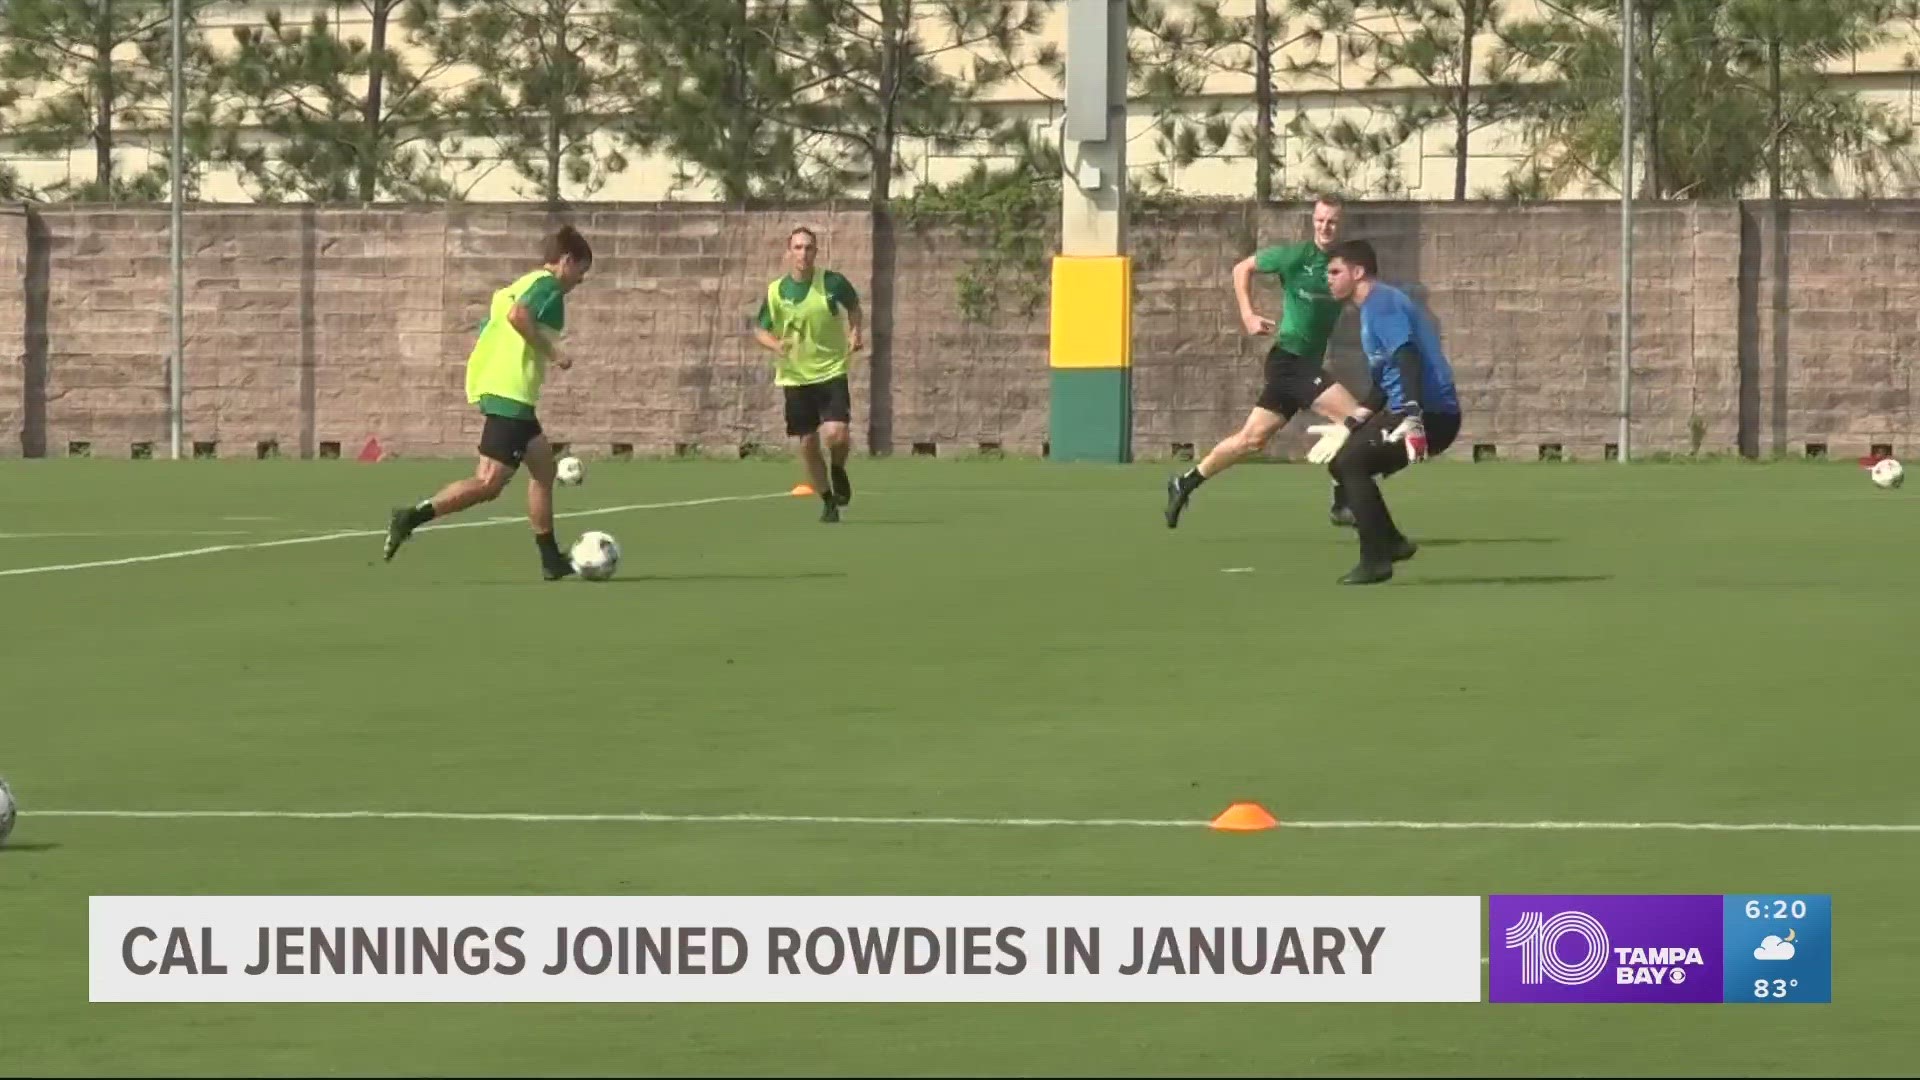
(1767, 327)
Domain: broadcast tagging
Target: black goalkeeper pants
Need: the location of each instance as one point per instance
(1365, 458)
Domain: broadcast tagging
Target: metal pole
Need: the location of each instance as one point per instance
(1626, 228)
(176, 390)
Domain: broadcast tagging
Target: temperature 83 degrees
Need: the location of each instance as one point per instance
(1779, 948)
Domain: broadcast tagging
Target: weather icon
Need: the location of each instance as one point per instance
(1775, 947)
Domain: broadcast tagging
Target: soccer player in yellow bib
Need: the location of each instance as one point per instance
(504, 374)
(811, 321)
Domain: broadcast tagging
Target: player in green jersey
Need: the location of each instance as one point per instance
(800, 322)
(1295, 379)
(505, 370)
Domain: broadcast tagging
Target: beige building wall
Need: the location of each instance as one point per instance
(1425, 162)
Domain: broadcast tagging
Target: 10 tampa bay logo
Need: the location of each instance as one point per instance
(1605, 948)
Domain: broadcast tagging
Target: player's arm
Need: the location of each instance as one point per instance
(1264, 261)
(1397, 376)
(532, 316)
(540, 338)
(763, 331)
(527, 325)
(842, 291)
(1404, 368)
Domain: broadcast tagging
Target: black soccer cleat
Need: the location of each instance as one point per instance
(554, 571)
(399, 527)
(830, 513)
(1177, 496)
(842, 487)
(1403, 550)
(1369, 573)
(1341, 517)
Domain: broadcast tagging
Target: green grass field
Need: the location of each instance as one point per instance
(1711, 643)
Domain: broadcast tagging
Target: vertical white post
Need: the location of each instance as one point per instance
(176, 389)
(1093, 193)
(1626, 228)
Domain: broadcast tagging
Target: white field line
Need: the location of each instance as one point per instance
(979, 822)
(102, 534)
(215, 549)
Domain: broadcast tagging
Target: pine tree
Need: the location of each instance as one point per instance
(1731, 99)
(1177, 51)
(875, 80)
(704, 80)
(543, 89)
(351, 120)
(96, 73)
(1441, 47)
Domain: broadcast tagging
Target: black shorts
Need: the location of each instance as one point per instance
(1383, 458)
(505, 439)
(818, 403)
(1292, 383)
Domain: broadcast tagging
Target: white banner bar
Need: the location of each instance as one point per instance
(784, 948)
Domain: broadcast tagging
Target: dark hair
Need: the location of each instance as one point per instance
(802, 230)
(1330, 199)
(1356, 253)
(566, 242)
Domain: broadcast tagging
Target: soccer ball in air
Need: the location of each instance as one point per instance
(570, 470)
(595, 556)
(7, 810)
(1887, 473)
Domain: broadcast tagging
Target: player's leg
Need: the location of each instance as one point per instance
(1281, 395)
(541, 468)
(1262, 423)
(803, 423)
(836, 418)
(1336, 403)
(503, 443)
(1358, 468)
(1338, 512)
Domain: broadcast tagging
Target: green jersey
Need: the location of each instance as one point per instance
(806, 314)
(503, 372)
(1309, 311)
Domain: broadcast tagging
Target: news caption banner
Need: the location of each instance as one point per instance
(785, 948)
(1733, 948)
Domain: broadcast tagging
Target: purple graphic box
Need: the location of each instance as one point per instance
(1605, 948)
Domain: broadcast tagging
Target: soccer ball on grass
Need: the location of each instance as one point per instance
(570, 470)
(1887, 473)
(595, 556)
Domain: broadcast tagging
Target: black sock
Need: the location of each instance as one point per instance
(1191, 479)
(827, 497)
(1339, 496)
(421, 513)
(549, 551)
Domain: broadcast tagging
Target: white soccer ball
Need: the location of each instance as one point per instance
(595, 556)
(571, 470)
(8, 810)
(1887, 473)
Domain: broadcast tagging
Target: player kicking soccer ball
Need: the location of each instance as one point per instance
(504, 374)
(1413, 412)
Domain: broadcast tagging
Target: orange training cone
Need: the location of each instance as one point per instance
(1245, 817)
(802, 489)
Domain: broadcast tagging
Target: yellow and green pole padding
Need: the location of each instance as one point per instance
(1090, 353)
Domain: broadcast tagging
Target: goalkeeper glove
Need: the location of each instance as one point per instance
(1412, 434)
(1332, 438)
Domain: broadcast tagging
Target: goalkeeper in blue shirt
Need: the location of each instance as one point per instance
(1413, 412)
